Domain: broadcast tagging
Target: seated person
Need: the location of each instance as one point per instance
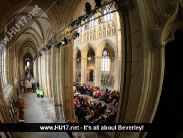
(92, 113)
(88, 116)
(97, 94)
(104, 107)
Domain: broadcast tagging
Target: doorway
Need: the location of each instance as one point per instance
(170, 108)
(91, 75)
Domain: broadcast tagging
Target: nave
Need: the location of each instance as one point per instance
(41, 110)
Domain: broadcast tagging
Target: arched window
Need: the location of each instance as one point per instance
(107, 17)
(28, 63)
(105, 61)
(3, 67)
(92, 21)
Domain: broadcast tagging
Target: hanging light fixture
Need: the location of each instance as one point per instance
(78, 22)
(88, 8)
(63, 42)
(98, 3)
(48, 46)
(76, 34)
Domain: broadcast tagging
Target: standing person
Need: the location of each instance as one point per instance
(24, 88)
(41, 92)
(33, 87)
(37, 91)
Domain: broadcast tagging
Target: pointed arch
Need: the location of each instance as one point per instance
(110, 45)
(85, 50)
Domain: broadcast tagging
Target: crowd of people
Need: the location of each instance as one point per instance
(93, 111)
(103, 94)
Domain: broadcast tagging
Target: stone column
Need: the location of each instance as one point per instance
(43, 75)
(39, 71)
(66, 89)
(98, 70)
(54, 80)
(83, 69)
(74, 69)
(117, 72)
(36, 69)
(48, 77)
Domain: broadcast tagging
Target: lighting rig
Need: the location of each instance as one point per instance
(72, 27)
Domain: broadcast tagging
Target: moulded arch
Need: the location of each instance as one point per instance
(76, 50)
(85, 50)
(103, 44)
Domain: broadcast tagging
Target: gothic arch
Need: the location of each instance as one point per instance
(76, 50)
(110, 45)
(85, 50)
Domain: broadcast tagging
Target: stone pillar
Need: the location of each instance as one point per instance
(48, 63)
(117, 79)
(62, 82)
(43, 76)
(66, 83)
(39, 71)
(98, 70)
(74, 69)
(54, 80)
(36, 69)
(83, 69)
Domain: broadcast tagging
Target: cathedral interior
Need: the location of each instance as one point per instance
(128, 48)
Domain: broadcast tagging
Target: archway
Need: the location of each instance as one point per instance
(90, 64)
(171, 104)
(28, 68)
(91, 75)
(78, 66)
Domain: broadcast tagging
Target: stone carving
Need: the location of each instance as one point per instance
(99, 32)
(91, 34)
(108, 29)
(94, 35)
(113, 29)
(166, 15)
(84, 37)
(87, 36)
(107, 79)
(104, 30)
(157, 27)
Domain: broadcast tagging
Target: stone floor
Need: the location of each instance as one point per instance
(39, 110)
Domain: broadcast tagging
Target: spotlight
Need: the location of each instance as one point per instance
(63, 42)
(85, 17)
(59, 44)
(43, 49)
(40, 53)
(88, 8)
(37, 55)
(73, 23)
(78, 22)
(34, 58)
(76, 34)
(98, 3)
(94, 12)
(48, 45)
